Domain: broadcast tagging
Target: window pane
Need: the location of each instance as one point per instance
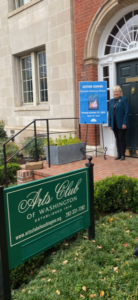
(41, 59)
(135, 18)
(110, 40)
(23, 64)
(30, 97)
(128, 18)
(24, 75)
(107, 50)
(29, 74)
(114, 31)
(105, 71)
(121, 23)
(19, 3)
(42, 84)
(28, 86)
(108, 95)
(31, 85)
(107, 105)
(42, 93)
(28, 63)
(44, 58)
(107, 80)
(123, 34)
(24, 86)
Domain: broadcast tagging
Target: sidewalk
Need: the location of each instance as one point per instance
(102, 168)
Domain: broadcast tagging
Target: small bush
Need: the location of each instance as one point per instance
(63, 141)
(11, 149)
(3, 134)
(11, 172)
(116, 193)
(30, 149)
(22, 273)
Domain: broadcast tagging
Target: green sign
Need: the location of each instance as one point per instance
(42, 213)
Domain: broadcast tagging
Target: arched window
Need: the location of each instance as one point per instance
(124, 35)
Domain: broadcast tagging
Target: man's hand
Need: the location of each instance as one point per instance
(110, 128)
(124, 127)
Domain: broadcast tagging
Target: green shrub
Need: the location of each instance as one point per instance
(22, 273)
(11, 172)
(3, 134)
(51, 142)
(63, 141)
(11, 149)
(116, 193)
(30, 149)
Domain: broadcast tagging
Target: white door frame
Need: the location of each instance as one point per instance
(111, 60)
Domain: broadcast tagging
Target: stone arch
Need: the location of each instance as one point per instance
(97, 26)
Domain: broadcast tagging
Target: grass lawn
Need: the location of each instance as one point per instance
(83, 269)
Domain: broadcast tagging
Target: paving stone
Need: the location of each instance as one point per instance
(34, 165)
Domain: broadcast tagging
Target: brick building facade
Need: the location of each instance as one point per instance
(84, 12)
(106, 42)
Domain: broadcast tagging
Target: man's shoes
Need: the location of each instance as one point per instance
(122, 157)
(118, 157)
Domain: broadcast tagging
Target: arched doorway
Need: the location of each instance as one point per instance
(118, 64)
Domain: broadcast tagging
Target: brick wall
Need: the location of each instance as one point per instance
(84, 11)
(24, 176)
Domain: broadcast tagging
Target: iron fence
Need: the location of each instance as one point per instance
(47, 134)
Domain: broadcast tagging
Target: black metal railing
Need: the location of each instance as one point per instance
(47, 134)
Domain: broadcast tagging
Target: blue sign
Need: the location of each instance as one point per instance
(93, 102)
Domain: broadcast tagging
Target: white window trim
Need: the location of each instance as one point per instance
(40, 102)
(110, 25)
(35, 81)
(111, 59)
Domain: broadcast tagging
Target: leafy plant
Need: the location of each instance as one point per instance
(30, 149)
(63, 141)
(116, 193)
(51, 142)
(12, 168)
(2, 124)
(3, 134)
(11, 149)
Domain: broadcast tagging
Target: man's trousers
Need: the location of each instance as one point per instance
(120, 140)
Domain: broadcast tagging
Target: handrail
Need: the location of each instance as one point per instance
(35, 138)
(20, 149)
(16, 134)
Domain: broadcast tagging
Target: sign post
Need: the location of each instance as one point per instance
(38, 215)
(93, 102)
(93, 106)
(91, 228)
(4, 263)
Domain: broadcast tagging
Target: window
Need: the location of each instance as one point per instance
(19, 3)
(42, 77)
(27, 85)
(124, 35)
(107, 79)
(34, 79)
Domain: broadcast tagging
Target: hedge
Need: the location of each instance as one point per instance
(11, 172)
(116, 193)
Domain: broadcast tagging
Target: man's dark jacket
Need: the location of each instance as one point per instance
(122, 112)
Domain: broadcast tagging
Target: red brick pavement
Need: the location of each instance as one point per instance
(102, 168)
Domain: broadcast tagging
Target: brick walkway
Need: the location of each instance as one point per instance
(102, 168)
